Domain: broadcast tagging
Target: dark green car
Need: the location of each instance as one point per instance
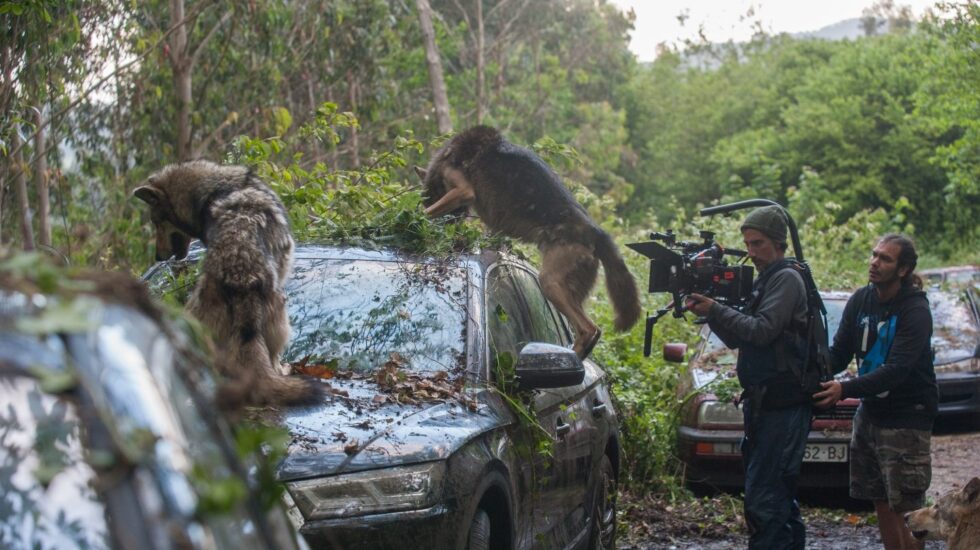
(421, 440)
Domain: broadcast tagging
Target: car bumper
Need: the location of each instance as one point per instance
(959, 393)
(713, 457)
(428, 528)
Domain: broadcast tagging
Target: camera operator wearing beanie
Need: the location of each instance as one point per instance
(887, 326)
(776, 412)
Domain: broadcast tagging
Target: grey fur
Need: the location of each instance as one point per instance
(517, 194)
(239, 295)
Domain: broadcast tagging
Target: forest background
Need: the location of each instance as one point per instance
(334, 101)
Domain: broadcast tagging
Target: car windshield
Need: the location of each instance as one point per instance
(954, 327)
(356, 314)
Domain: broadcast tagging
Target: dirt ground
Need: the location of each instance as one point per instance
(715, 523)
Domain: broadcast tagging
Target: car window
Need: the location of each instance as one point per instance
(508, 326)
(359, 312)
(955, 334)
(835, 310)
(544, 327)
(961, 276)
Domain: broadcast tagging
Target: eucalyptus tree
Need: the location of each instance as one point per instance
(45, 61)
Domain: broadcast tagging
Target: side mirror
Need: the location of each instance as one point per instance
(674, 352)
(542, 365)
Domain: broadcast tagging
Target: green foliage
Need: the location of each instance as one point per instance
(533, 440)
(369, 206)
(263, 447)
(882, 122)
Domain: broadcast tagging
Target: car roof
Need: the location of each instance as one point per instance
(836, 295)
(949, 269)
(326, 250)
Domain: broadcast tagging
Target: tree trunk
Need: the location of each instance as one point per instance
(311, 99)
(8, 175)
(180, 63)
(501, 69)
(334, 154)
(480, 63)
(41, 182)
(432, 61)
(354, 138)
(20, 181)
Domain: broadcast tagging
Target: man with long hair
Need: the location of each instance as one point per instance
(887, 326)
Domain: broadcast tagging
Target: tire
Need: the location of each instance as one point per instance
(603, 530)
(479, 535)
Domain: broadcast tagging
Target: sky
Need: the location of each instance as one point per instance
(656, 20)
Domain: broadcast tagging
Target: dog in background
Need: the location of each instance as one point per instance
(239, 295)
(517, 194)
(955, 518)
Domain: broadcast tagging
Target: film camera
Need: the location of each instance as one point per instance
(682, 268)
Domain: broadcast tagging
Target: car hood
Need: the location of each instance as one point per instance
(358, 427)
(710, 364)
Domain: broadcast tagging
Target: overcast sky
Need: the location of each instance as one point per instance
(656, 20)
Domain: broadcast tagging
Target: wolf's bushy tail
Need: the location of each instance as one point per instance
(620, 283)
(252, 379)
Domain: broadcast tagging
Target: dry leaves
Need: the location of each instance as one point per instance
(325, 371)
(409, 388)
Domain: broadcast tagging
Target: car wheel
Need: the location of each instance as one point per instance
(603, 534)
(479, 536)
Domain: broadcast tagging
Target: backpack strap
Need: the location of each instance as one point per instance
(813, 332)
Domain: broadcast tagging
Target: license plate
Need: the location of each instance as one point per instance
(825, 452)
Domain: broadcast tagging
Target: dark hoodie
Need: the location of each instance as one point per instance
(902, 392)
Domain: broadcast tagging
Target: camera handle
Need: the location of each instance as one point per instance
(651, 321)
(731, 207)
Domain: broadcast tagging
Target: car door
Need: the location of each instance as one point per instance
(509, 328)
(567, 412)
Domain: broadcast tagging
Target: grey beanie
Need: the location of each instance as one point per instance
(770, 220)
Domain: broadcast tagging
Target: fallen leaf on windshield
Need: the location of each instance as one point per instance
(325, 371)
(351, 448)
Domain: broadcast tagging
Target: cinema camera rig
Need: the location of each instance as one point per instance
(682, 268)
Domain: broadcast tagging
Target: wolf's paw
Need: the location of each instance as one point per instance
(589, 344)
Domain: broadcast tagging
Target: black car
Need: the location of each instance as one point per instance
(422, 440)
(956, 344)
(108, 438)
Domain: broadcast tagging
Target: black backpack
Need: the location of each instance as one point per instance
(811, 338)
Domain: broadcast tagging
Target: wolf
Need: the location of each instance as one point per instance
(239, 295)
(517, 194)
(955, 518)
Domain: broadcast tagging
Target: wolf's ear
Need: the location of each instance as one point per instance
(972, 489)
(422, 172)
(147, 194)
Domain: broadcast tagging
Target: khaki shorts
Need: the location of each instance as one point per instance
(889, 464)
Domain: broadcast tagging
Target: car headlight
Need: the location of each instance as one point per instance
(374, 491)
(718, 413)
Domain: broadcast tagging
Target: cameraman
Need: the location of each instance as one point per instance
(887, 325)
(776, 412)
